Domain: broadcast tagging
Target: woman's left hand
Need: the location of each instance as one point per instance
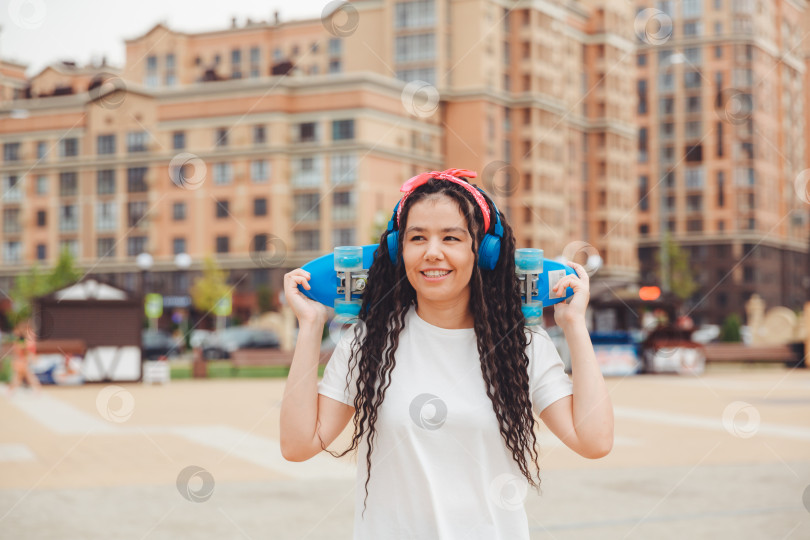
(569, 312)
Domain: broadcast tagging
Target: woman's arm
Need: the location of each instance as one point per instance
(583, 421)
(307, 418)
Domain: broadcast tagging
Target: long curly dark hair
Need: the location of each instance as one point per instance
(499, 331)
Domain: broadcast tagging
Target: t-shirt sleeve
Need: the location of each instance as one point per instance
(548, 380)
(333, 383)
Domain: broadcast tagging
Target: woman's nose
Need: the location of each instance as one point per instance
(434, 249)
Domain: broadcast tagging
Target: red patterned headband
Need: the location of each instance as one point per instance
(451, 175)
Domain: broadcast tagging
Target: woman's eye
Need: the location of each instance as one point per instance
(450, 237)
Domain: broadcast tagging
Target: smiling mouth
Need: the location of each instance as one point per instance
(435, 274)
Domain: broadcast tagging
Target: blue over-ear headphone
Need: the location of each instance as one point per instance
(488, 251)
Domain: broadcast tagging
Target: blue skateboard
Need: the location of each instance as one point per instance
(339, 279)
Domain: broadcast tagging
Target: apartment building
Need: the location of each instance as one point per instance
(265, 144)
(721, 110)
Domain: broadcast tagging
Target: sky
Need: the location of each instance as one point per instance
(39, 32)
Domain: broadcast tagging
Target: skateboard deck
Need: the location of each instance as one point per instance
(331, 273)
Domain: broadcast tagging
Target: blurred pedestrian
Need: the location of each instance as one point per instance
(25, 352)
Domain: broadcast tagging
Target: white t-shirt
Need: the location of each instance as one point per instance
(440, 468)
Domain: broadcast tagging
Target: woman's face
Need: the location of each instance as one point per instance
(437, 250)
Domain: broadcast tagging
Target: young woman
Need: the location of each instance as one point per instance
(442, 375)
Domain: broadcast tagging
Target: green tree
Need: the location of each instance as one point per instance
(28, 287)
(681, 277)
(731, 329)
(64, 273)
(264, 297)
(207, 289)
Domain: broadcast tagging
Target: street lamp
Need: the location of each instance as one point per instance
(671, 60)
(144, 261)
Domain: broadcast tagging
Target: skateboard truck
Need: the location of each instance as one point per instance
(352, 279)
(529, 267)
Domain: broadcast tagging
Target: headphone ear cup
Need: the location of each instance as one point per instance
(393, 245)
(489, 252)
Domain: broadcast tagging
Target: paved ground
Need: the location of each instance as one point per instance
(725, 455)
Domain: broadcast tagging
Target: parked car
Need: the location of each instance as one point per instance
(220, 345)
(157, 343)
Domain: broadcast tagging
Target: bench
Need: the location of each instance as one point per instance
(739, 352)
(268, 357)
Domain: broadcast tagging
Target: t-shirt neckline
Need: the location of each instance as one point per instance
(449, 332)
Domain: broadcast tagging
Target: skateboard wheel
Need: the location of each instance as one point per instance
(348, 259)
(529, 261)
(533, 313)
(347, 309)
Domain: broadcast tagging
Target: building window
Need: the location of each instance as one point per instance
(343, 169)
(106, 216)
(643, 192)
(42, 150)
(136, 141)
(306, 172)
(105, 182)
(178, 246)
(721, 180)
(307, 207)
(307, 132)
(415, 47)
(307, 240)
(343, 237)
(221, 209)
(259, 170)
(151, 79)
(11, 190)
(223, 174)
(694, 153)
(11, 220)
(335, 47)
(171, 76)
(11, 151)
(179, 211)
(259, 135)
(419, 14)
(343, 207)
(42, 185)
(68, 184)
(71, 246)
(136, 245)
(694, 178)
(136, 212)
(12, 252)
(221, 137)
(42, 252)
(179, 140)
(642, 144)
(105, 247)
(260, 206)
(106, 144)
(334, 66)
(222, 244)
(642, 96)
(136, 180)
(255, 61)
(260, 243)
(69, 147)
(342, 130)
(68, 217)
(42, 218)
(643, 230)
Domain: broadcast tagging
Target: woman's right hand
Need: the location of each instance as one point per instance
(306, 309)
